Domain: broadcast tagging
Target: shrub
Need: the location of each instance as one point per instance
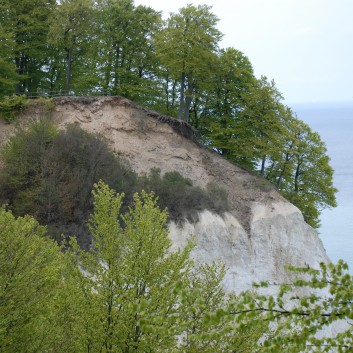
(10, 106)
(50, 174)
(181, 198)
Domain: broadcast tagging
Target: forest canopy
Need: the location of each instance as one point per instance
(175, 66)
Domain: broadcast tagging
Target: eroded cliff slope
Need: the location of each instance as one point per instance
(260, 234)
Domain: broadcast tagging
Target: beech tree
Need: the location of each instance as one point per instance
(125, 53)
(23, 40)
(260, 124)
(31, 271)
(301, 169)
(8, 77)
(224, 102)
(70, 27)
(305, 311)
(313, 187)
(126, 269)
(187, 47)
(137, 295)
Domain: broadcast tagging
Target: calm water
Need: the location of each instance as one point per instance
(334, 123)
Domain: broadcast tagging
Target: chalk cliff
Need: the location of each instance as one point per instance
(260, 234)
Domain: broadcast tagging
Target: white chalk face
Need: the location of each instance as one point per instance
(305, 46)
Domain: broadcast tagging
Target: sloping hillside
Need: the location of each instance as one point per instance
(261, 233)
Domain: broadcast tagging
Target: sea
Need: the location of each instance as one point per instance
(334, 123)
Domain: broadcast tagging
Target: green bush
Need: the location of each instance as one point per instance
(10, 106)
(49, 174)
(181, 198)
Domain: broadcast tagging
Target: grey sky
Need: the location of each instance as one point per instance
(306, 46)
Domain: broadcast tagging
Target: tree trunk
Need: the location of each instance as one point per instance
(68, 69)
(182, 93)
(116, 66)
(173, 93)
(167, 92)
(297, 174)
(263, 162)
(107, 73)
(20, 69)
(188, 100)
(280, 178)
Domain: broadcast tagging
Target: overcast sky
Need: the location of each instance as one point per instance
(306, 46)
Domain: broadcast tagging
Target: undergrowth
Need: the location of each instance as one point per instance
(49, 174)
(12, 106)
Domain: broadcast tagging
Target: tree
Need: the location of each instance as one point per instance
(69, 32)
(186, 47)
(313, 180)
(23, 30)
(31, 272)
(260, 124)
(301, 169)
(131, 277)
(8, 77)
(224, 101)
(126, 57)
(137, 295)
(280, 166)
(304, 310)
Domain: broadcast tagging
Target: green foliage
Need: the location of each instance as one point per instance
(126, 55)
(128, 293)
(181, 198)
(132, 275)
(70, 26)
(8, 77)
(31, 271)
(313, 302)
(221, 106)
(11, 106)
(187, 48)
(301, 170)
(23, 42)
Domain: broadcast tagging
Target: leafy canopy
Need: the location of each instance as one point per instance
(129, 293)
